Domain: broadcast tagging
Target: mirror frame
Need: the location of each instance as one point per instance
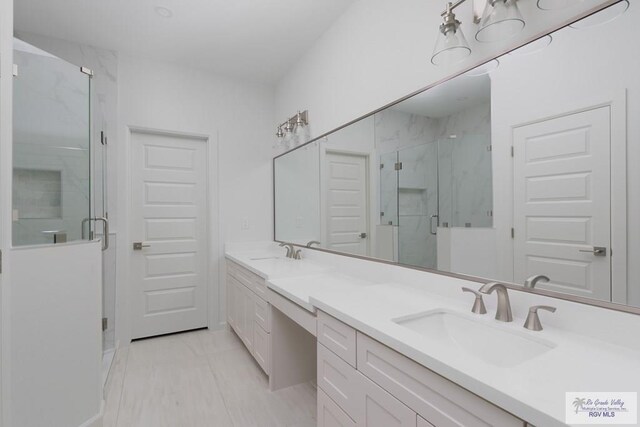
(512, 286)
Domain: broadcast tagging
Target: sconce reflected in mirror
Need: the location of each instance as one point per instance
(500, 20)
(556, 4)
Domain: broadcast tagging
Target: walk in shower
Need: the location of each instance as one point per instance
(60, 162)
(442, 184)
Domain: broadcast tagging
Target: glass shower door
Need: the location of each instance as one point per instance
(418, 205)
(51, 152)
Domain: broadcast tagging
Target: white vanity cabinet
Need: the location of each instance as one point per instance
(248, 313)
(381, 387)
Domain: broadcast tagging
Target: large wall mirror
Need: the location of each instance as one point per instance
(524, 166)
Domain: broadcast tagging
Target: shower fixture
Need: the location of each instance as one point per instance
(293, 126)
(497, 20)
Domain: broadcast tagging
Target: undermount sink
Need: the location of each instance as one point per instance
(264, 257)
(493, 344)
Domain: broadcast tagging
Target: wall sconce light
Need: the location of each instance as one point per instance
(451, 46)
(294, 125)
(499, 19)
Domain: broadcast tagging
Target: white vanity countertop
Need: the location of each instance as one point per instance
(271, 264)
(533, 390)
(301, 289)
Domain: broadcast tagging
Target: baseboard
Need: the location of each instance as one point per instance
(96, 420)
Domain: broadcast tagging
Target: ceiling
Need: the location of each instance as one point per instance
(251, 39)
(449, 98)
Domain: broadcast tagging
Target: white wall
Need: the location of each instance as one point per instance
(380, 50)
(238, 119)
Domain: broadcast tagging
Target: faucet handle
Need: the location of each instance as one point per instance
(532, 281)
(478, 304)
(533, 320)
(297, 254)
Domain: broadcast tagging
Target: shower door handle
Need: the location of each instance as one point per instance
(431, 224)
(105, 224)
(105, 232)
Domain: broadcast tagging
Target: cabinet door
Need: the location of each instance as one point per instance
(248, 318)
(377, 408)
(230, 302)
(261, 347)
(330, 414)
(238, 308)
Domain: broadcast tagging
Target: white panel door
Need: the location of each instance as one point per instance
(347, 203)
(169, 216)
(562, 203)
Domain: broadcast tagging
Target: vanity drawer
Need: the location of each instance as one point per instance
(330, 414)
(260, 287)
(337, 337)
(338, 379)
(438, 400)
(248, 278)
(261, 350)
(261, 313)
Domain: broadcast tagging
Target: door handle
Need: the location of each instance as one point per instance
(362, 235)
(596, 251)
(431, 224)
(105, 231)
(137, 246)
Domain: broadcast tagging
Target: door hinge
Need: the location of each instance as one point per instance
(512, 151)
(15, 70)
(103, 139)
(381, 213)
(513, 232)
(381, 165)
(87, 71)
(105, 324)
(489, 147)
(398, 166)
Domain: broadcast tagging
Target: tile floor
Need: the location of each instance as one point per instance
(201, 378)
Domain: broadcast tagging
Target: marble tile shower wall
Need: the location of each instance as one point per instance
(465, 172)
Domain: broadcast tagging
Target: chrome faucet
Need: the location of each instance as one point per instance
(291, 251)
(288, 247)
(503, 313)
(533, 321)
(313, 242)
(532, 281)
